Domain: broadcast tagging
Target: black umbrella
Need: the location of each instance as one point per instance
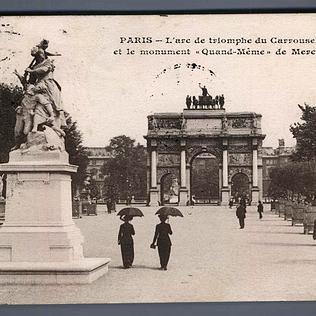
(169, 211)
(130, 211)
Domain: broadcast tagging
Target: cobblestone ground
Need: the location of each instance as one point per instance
(211, 260)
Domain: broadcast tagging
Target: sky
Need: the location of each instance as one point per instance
(110, 94)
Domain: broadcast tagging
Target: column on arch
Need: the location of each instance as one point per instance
(225, 189)
(153, 192)
(255, 189)
(183, 194)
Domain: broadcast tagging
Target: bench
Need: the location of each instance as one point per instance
(298, 213)
(281, 208)
(309, 218)
(288, 209)
(89, 208)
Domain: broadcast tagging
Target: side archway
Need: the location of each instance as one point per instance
(169, 189)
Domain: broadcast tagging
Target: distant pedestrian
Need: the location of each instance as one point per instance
(193, 201)
(241, 214)
(272, 205)
(260, 209)
(109, 205)
(162, 232)
(231, 203)
(125, 240)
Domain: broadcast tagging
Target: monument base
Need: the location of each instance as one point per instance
(225, 197)
(84, 271)
(39, 242)
(153, 197)
(183, 196)
(254, 196)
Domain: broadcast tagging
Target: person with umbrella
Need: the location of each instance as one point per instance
(126, 233)
(162, 232)
(125, 240)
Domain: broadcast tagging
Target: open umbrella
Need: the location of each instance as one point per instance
(169, 211)
(130, 211)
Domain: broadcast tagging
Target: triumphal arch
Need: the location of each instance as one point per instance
(204, 155)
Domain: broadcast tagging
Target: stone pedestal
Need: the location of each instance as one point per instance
(153, 197)
(39, 242)
(183, 196)
(254, 196)
(225, 196)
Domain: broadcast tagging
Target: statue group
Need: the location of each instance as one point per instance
(40, 118)
(205, 101)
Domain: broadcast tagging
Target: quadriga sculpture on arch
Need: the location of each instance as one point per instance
(40, 117)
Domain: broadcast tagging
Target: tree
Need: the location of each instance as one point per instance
(305, 134)
(10, 98)
(125, 171)
(293, 180)
(77, 153)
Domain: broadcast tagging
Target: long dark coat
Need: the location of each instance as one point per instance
(125, 239)
(162, 232)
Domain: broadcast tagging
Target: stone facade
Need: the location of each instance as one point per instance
(97, 157)
(174, 140)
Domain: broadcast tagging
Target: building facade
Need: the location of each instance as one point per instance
(97, 157)
(272, 158)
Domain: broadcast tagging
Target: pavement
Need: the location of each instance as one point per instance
(211, 260)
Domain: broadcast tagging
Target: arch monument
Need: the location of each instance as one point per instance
(176, 140)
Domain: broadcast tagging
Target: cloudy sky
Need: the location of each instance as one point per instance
(110, 94)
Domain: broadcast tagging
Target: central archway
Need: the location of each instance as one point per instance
(205, 187)
(240, 186)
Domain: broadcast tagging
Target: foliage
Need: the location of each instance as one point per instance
(10, 98)
(77, 153)
(293, 180)
(305, 134)
(125, 171)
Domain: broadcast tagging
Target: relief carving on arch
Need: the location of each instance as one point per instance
(240, 159)
(165, 159)
(168, 145)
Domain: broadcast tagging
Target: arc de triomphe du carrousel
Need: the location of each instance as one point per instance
(232, 141)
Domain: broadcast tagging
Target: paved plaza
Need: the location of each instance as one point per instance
(211, 260)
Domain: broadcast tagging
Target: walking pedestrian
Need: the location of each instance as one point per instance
(241, 214)
(108, 205)
(125, 239)
(260, 209)
(272, 205)
(162, 232)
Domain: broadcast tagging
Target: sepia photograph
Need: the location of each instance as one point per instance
(157, 158)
